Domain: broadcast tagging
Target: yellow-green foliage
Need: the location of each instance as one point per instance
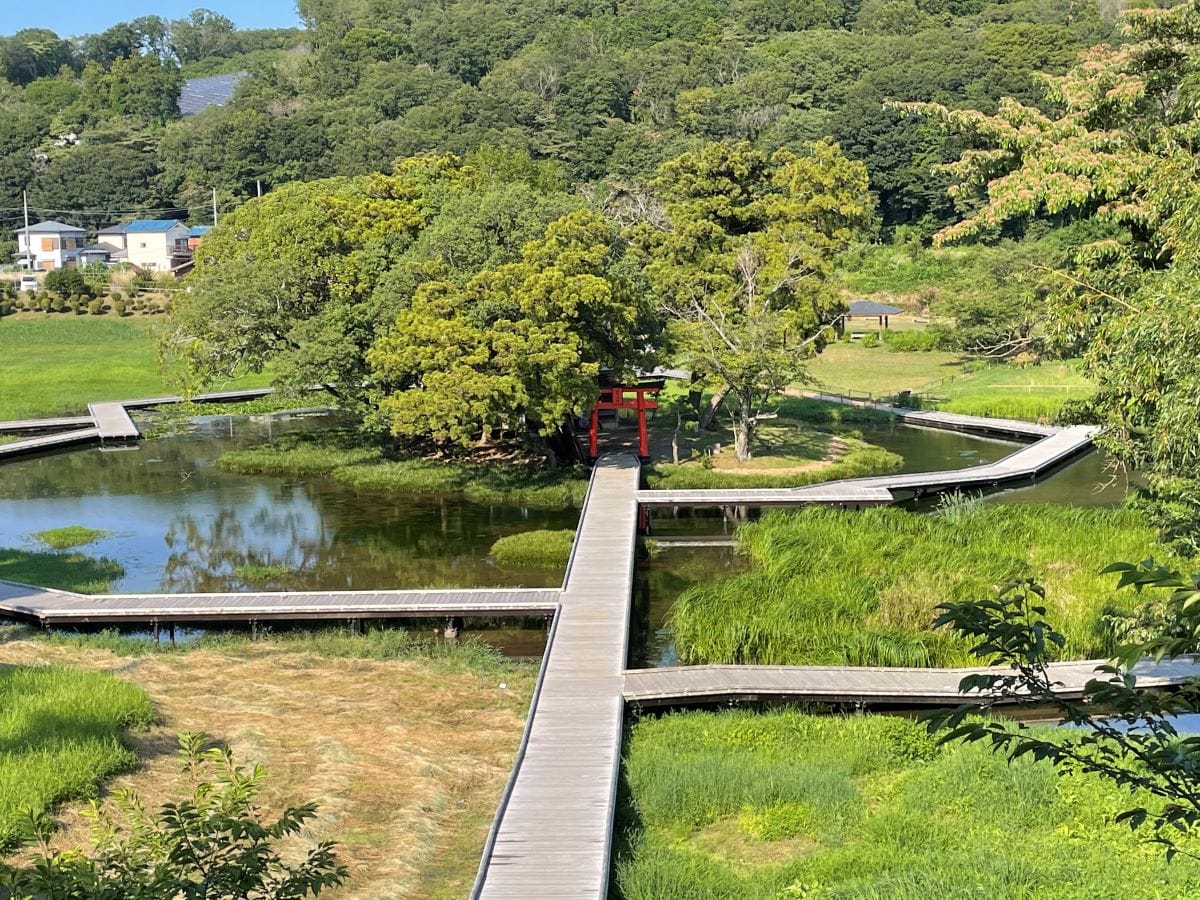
(861, 459)
(541, 549)
(60, 736)
(743, 805)
(860, 588)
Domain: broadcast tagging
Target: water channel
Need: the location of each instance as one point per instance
(179, 524)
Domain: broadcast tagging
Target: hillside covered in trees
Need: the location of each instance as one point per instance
(608, 89)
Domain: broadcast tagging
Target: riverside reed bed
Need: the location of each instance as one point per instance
(740, 804)
(830, 587)
(350, 457)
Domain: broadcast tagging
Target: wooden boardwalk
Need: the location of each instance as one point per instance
(553, 832)
(1051, 450)
(106, 422)
(896, 687)
(61, 608)
(112, 419)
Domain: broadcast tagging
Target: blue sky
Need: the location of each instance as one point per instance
(72, 17)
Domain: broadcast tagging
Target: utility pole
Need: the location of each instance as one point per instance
(214, 206)
(28, 245)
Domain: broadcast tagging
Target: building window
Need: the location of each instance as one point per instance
(48, 245)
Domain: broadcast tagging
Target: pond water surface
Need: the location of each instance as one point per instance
(180, 524)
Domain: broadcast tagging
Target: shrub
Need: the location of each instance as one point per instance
(935, 337)
(870, 340)
(96, 307)
(66, 281)
(217, 843)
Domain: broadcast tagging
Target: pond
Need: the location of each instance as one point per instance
(180, 524)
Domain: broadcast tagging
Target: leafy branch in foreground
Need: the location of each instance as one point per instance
(217, 845)
(1117, 731)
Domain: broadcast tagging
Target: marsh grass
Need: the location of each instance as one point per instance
(262, 574)
(345, 457)
(377, 643)
(65, 570)
(829, 587)
(540, 549)
(741, 805)
(70, 536)
(60, 737)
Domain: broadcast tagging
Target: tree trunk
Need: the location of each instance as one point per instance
(674, 437)
(743, 426)
(714, 406)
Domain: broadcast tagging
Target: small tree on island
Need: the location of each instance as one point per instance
(741, 263)
(217, 844)
(1118, 731)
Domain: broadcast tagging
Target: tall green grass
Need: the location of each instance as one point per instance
(348, 457)
(68, 571)
(60, 737)
(70, 536)
(829, 587)
(748, 805)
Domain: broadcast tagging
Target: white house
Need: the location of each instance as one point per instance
(157, 245)
(48, 245)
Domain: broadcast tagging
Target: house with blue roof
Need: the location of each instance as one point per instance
(154, 245)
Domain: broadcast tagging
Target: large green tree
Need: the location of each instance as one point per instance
(1120, 153)
(518, 347)
(740, 258)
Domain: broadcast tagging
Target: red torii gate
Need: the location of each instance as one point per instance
(615, 398)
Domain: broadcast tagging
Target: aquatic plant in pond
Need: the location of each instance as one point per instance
(69, 536)
(859, 459)
(829, 587)
(740, 805)
(534, 549)
(65, 571)
(61, 732)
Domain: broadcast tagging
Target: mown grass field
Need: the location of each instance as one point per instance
(62, 732)
(740, 805)
(403, 743)
(881, 371)
(828, 587)
(51, 365)
(1033, 392)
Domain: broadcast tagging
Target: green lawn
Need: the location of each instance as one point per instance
(739, 805)
(60, 737)
(879, 370)
(50, 365)
(1035, 392)
(1016, 392)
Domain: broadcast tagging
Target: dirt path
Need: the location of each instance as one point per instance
(405, 759)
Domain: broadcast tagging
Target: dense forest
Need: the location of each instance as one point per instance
(91, 126)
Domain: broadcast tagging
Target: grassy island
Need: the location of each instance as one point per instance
(350, 458)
